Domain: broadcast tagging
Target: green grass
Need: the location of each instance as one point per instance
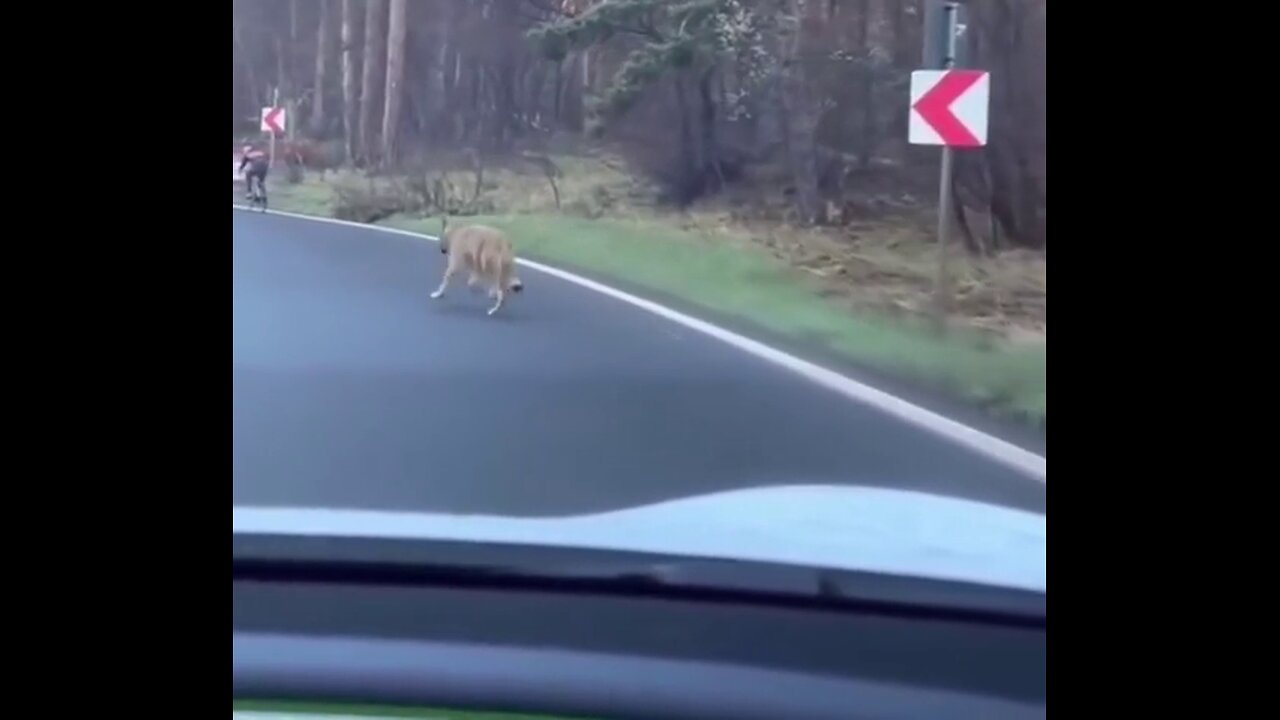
(311, 198)
(743, 282)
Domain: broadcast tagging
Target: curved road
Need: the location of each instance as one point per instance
(351, 388)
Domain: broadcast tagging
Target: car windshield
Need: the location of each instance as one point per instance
(718, 279)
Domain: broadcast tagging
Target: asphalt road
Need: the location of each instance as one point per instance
(351, 388)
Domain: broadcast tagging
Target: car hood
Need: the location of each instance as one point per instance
(852, 528)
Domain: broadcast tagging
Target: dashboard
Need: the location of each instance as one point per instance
(359, 647)
(303, 711)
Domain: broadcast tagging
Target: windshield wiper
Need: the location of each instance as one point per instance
(518, 566)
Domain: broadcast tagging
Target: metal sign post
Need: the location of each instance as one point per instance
(942, 289)
(275, 103)
(939, 27)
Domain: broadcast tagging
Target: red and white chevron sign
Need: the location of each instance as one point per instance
(273, 120)
(949, 107)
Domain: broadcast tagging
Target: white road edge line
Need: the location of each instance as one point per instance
(1002, 451)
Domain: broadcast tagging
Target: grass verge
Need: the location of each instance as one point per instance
(740, 280)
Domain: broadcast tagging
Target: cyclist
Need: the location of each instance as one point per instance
(256, 162)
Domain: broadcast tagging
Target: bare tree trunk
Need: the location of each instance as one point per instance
(557, 105)
(457, 115)
(349, 87)
(902, 49)
(324, 45)
(293, 38)
(437, 79)
(374, 59)
(293, 48)
(903, 52)
(801, 113)
(397, 33)
(1011, 39)
(584, 87)
(251, 74)
(291, 89)
(535, 81)
(571, 104)
(478, 89)
(710, 143)
(282, 75)
(692, 173)
(866, 89)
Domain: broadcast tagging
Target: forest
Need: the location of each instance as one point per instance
(775, 124)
